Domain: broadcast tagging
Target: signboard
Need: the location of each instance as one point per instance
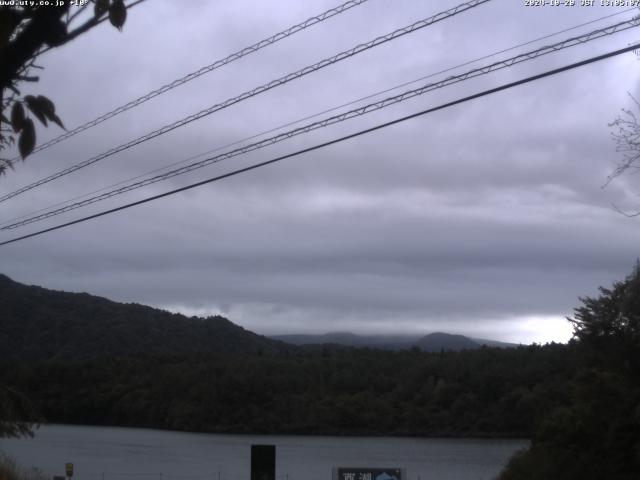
(263, 462)
(369, 473)
(68, 467)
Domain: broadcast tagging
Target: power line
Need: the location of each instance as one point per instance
(288, 124)
(209, 68)
(338, 118)
(334, 141)
(581, 39)
(256, 91)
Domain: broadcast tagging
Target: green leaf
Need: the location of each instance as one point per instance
(117, 14)
(36, 108)
(55, 119)
(17, 117)
(100, 7)
(27, 140)
(49, 110)
(54, 32)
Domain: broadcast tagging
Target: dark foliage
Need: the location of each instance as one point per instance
(597, 434)
(485, 392)
(27, 30)
(18, 416)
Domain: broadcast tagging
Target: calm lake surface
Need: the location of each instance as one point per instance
(138, 454)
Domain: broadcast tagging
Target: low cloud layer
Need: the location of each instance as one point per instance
(488, 218)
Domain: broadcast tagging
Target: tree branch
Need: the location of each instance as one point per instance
(84, 27)
(28, 78)
(626, 214)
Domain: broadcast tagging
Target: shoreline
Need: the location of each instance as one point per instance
(296, 434)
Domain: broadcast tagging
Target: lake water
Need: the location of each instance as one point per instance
(107, 453)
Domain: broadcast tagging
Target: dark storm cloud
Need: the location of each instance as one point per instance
(487, 218)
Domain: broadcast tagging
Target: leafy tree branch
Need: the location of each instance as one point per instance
(26, 32)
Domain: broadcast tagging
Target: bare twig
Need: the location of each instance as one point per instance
(626, 214)
(626, 136)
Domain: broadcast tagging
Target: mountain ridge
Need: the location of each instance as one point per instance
(431, 342)
(42, 324)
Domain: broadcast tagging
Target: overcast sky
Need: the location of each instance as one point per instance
(487, 218)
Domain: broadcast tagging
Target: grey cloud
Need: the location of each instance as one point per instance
(483, 218)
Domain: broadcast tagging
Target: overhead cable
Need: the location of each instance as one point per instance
(372, 107)
(332, 142)
(209, 68)
(256, 91)
(309, 117)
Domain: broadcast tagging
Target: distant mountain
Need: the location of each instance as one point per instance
(433, 342)
(40, 324)
(437, 341)
(387, 342)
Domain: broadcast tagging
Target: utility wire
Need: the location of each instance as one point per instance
(309, 117)
(209, 68)
(490, 91)
(596, 34)
(256, 91)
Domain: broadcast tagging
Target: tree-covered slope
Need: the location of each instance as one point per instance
(594, 434)
(487, 392)
(40, 324)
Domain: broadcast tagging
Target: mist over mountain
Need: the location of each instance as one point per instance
(41, 324)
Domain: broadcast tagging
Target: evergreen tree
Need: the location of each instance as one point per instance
(596, 434)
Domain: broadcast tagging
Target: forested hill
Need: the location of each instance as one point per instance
(488, 392)
(40, 324)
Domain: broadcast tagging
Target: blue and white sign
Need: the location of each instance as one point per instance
(369, 473)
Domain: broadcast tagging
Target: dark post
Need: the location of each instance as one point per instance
(68, 467)
(263, 462)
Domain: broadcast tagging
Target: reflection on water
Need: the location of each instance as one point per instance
(107, 453)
